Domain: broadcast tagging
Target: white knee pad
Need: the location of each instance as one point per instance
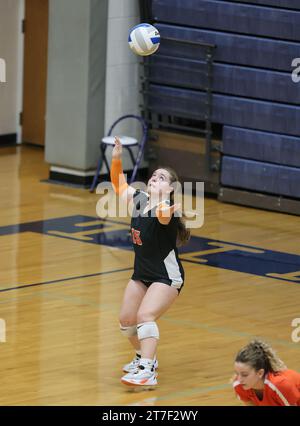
(147, 329)
(128, 331)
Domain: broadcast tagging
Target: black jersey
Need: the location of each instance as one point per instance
(156, 254)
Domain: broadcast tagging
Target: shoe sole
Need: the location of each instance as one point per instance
(134, 384)
(156, 374)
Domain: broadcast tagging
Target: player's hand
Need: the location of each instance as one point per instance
(165, 210)
(117, 149)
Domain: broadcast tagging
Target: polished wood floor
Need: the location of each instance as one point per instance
(59, 298)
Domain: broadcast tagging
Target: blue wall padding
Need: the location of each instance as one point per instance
(231, 48)
(261, 177)
(228, 79)
(262, 146)
(226, 16)
(285, 4)
(240, 112)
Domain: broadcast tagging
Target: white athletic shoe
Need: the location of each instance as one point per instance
(140, 377)
(132, 366)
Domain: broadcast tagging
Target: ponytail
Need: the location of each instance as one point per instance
(183, 234)
(260, 355)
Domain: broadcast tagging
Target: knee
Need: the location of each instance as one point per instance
(145, 316)
(127, 321)
(127, 326)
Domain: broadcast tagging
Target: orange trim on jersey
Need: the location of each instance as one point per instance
(117, 176)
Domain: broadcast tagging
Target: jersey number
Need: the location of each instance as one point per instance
(136, 237)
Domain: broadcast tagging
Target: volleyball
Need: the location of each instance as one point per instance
(144, 39)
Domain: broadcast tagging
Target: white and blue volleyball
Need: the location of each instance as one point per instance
(144, 39)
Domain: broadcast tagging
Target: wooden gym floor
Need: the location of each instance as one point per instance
(62, 279)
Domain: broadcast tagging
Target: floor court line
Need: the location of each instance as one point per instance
(228, 331)
(185, 323)
(63, 279)
(242, 272)
(182, 323)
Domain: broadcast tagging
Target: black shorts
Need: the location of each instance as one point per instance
(159, 280)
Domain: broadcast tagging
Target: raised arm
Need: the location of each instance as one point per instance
(117, 177)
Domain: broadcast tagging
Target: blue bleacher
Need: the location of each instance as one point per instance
(231, 48)
(240, 112)
(232, 17)
(228, 79)
(285, 4)
(254, 96)
(261, 146)
(261, 177)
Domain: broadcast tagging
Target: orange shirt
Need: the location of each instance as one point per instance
(281, 388)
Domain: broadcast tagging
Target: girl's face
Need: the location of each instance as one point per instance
(248, 376)
(159, 183)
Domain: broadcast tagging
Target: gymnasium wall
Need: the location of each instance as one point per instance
(76, 83)
(9, 35)
(122, 73)
(92, 81)
(93, 78)
(254, 97)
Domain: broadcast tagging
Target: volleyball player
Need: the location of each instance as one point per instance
(158, 275)
(263, 379)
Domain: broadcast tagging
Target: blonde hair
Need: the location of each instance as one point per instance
(183, 234)
(260, 355)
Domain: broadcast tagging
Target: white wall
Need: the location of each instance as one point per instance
(9, 51)
(122, 72)
(76, 83)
